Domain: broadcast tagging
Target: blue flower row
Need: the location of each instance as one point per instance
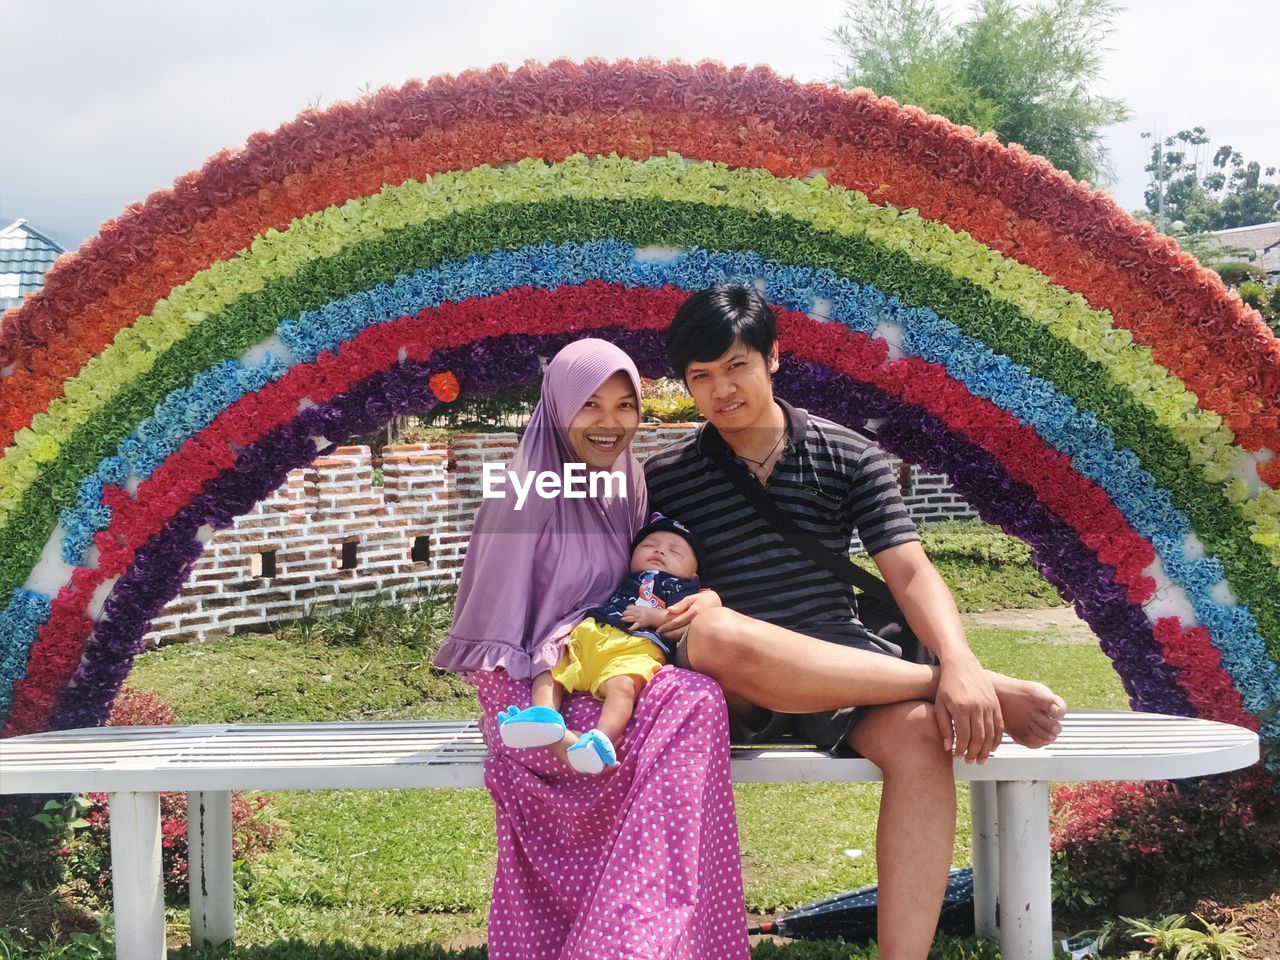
(19, 621)
(181, 415)
(1034, 401)
(819, 292)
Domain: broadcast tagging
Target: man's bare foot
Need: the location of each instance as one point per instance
(1032, 712)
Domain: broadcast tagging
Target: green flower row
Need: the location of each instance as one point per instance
(228, 333)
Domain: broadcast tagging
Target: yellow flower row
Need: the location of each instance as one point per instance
(276, 254)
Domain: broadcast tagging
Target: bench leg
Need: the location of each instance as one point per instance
(986, 864)
(1026, 908)
(136, 877)
(213, 917)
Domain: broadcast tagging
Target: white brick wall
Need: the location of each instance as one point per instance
(429, 490)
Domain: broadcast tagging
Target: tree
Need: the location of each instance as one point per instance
(1208, 189)
(1024, 75)
(1266, 300)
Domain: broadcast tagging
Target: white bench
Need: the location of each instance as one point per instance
(1010, 796)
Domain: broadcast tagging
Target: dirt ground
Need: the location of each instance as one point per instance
(1251, 902)
(1055, 624)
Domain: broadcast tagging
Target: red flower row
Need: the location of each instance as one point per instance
(1077, 500)
(1200, 673)
(896, 156)
(138, 517)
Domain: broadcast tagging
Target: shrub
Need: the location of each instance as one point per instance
(253, 833)
(1233, 274)
(140, 708)
(78, 946)
(1173, 938)
(498, 412)
(972, 541)
(35, 832)
(671, 410)
(1106, 836)
(1266, 300)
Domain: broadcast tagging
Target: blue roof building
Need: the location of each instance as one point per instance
(25, 255)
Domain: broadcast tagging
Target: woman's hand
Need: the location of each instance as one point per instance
(681, 613)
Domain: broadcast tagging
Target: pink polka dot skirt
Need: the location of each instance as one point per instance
(638, 862)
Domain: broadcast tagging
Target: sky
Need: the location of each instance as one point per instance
(103, 103)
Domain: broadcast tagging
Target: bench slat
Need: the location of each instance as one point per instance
(434, 753)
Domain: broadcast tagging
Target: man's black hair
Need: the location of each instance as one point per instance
(706, 325)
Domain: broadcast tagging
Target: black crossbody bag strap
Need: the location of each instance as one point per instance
(806, 544)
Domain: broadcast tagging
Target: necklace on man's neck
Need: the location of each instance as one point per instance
(760, 471)
(760, 463)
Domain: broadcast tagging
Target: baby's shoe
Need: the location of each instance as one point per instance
(530, 727)
(592, 753)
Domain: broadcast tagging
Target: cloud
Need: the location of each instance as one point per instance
(116, 100)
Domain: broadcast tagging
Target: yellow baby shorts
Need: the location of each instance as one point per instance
(597, 651)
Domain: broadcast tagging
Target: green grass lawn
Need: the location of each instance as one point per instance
(985, 569)
(388, 867)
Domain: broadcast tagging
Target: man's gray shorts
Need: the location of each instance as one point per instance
(828, 730)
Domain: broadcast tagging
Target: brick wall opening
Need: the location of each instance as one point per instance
(349, 550)
(262, 564)
(420, 552)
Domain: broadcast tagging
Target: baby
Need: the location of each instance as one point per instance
(612, 653)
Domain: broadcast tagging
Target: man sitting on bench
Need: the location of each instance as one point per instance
(787, 647)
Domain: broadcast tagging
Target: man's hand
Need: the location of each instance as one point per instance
(681, 613)
(966, 703)
(648, 617)
(966, 706)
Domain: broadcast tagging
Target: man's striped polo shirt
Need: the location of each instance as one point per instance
(831, 481)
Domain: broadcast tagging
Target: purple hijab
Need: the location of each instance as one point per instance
(530, 575)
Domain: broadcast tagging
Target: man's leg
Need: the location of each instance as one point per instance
(763, 664)
(916, 832)
(768, 666)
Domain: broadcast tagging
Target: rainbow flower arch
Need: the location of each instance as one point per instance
(1085, 384)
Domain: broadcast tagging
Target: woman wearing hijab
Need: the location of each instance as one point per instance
(644, 861)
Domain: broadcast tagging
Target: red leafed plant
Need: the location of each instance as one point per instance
(253, 831)
(1107, 836)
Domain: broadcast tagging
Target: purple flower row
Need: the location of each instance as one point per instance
(488, 366)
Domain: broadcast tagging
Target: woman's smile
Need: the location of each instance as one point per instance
(606, 442)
